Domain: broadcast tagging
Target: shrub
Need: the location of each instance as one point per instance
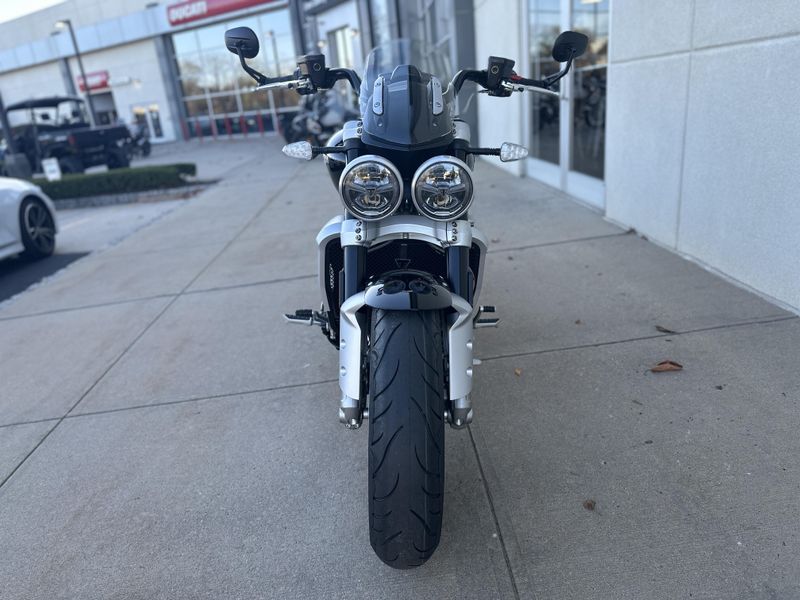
(120, 181)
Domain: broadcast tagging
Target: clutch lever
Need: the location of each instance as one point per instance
(295, 84)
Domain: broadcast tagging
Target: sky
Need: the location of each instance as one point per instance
(12, 9)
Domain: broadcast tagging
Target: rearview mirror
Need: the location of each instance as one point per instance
(570, 44)
(244, 39)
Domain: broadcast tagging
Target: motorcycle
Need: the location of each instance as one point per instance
(318, 118)
(139, 144)
(400, 271)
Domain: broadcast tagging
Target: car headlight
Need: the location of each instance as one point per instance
(443, 188)
(371, 187)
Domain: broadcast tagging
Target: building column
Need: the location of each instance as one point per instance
(169, 77)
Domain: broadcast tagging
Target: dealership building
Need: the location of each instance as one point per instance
(679, 121)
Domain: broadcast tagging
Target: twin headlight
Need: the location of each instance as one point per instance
(372, 188)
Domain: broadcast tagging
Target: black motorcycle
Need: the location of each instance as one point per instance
(319, 116)
(139, 143)
(401, 269)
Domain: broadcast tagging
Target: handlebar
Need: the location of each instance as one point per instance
(499, 79)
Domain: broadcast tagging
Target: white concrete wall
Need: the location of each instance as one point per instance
(498, 32)
(343, 15)
(36, 82)
(135, 77)
(703, 137)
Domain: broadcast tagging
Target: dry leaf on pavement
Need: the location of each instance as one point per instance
(517, 372)
(589, 504)
(667, 365)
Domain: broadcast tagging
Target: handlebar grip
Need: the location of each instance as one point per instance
(519, 80)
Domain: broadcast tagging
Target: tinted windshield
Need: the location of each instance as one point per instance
(384, 58)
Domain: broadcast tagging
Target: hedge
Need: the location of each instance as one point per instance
(120, 181)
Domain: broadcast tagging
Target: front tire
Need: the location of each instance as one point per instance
(118, 159)
(37, 228)
(406, 435)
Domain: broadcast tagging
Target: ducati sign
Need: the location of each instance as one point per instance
(193, 10)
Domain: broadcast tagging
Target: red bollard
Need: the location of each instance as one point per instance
(243, 124)
(228, 127)
(198, 130)
(260, 122)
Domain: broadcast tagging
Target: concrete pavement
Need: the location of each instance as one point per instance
(164, 434)
(81, 230)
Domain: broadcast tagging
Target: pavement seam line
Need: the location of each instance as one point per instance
(560, 242)
(31, 422)
(763, 321)
(251, 284)
(490, 500)
(148, 326)
(56, 311)
(158, 297)
(173, 402)
(199, 399)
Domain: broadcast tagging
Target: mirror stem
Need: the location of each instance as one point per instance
(260, 78)
(555, 77)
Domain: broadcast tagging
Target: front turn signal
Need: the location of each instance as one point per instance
(510, 152)
(301, 150)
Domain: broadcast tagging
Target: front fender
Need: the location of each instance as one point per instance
(409, 290)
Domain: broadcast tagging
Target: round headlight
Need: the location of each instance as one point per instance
(371, 187)
(443, 188)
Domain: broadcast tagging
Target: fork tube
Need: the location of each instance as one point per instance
(355, 260)
(457, 265)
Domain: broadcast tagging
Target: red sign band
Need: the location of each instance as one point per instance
(97, 81)
(194, 10)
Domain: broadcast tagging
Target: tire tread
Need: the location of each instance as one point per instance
(406, 435)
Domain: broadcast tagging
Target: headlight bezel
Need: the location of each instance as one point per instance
(372, 158)
(418, 203)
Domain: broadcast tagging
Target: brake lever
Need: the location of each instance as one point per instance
(518, 87)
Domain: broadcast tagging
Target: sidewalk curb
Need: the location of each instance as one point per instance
(182, 192)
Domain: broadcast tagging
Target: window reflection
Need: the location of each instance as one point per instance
(212, 82)
(545, 19)
(589, 91)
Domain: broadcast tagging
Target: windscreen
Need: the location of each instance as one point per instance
(384, 58)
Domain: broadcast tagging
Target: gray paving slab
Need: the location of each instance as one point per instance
(16, 441)
(100, 279)
(49, 361)
(221, 342)
(218, 214)
(600, 290)
(89, 229)
(301, 208)
(695, 487)
(215, 160)
(262, 258)
(262, 496)
(515, 212)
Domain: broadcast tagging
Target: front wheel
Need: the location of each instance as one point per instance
(37, 228)
(406, 435)
(118, 159)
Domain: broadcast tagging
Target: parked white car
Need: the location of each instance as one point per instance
(28, 223)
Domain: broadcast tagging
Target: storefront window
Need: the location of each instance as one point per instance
(222, 105)
(217, 95)
(382, 21)
(545, 19)
(196, 108)
(589, 107)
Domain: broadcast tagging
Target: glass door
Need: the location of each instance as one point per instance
(567, 133)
